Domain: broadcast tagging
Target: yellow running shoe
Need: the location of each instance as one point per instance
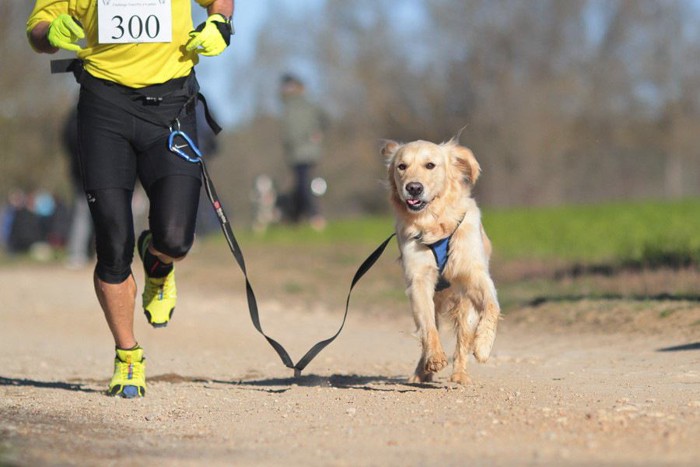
(159, 298)
(159, 293)
(129, 378)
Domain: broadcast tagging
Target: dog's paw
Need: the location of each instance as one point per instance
(435, 362)
(461, 378)
(483, 343)
(421, 378)
(485, 336)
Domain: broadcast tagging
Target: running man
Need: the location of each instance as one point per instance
(137, 72)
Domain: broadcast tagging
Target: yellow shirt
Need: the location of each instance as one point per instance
(133, 65)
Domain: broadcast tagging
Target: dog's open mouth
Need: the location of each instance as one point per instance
(415, 204)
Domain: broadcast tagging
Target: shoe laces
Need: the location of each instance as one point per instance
(162, 287)
(130, 369)
(168, 286)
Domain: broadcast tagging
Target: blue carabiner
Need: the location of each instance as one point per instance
(188, 143)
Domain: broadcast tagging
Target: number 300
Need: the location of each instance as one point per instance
(136, 26)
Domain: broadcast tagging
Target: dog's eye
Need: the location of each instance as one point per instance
(401, 166)
(430, 166)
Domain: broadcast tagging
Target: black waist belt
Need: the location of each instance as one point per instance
(132, 100)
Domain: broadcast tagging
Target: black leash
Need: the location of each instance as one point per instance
(189, 151)
(252, 302)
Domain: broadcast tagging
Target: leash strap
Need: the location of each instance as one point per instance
(238, 255)
(364, 267)
(233, 245)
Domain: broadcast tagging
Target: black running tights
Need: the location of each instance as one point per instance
(172, 217)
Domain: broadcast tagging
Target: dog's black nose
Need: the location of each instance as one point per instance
(414, 188)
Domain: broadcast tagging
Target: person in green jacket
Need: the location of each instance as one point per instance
(303, 126)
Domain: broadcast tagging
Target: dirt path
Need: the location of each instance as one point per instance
(219, 396)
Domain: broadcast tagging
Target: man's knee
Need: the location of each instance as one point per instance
(172, 245)
(112, 273)
(114, 256)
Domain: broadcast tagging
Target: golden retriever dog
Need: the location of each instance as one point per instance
(444, 251)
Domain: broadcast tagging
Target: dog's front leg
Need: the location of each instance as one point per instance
(490, 311)
(433, 357)
(465, 319)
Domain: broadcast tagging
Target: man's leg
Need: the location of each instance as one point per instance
(301, 201)
(115, 286)
(306, 200)
(117, 302)
(172, 219)
(173, 215)
(109, 170)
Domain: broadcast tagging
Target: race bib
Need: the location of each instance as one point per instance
(134, 21)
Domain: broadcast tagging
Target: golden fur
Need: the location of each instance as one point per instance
(430, 186)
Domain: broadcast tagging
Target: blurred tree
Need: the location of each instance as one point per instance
(32, 108)
(561, 100)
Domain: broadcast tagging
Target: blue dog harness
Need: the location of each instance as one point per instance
(441, 251)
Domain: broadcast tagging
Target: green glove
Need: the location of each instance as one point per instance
(211, 37)
(64, 32)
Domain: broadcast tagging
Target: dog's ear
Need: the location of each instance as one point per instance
(389, 148)
(465, 161)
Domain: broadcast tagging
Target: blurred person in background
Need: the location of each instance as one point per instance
(130, 86)
(303, 127)
(54, 224)
(34, 222)
(21, 227)
(78, 247)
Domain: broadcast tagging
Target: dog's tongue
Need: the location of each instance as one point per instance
(413, 202)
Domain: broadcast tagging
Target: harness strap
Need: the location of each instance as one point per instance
(441, 251)
(113, 94)
(210, 119)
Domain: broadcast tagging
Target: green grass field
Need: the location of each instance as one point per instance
(641, 233)
(645, 234)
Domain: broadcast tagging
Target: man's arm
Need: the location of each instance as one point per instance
(212, 36)
(38, 38)
(222, 7)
